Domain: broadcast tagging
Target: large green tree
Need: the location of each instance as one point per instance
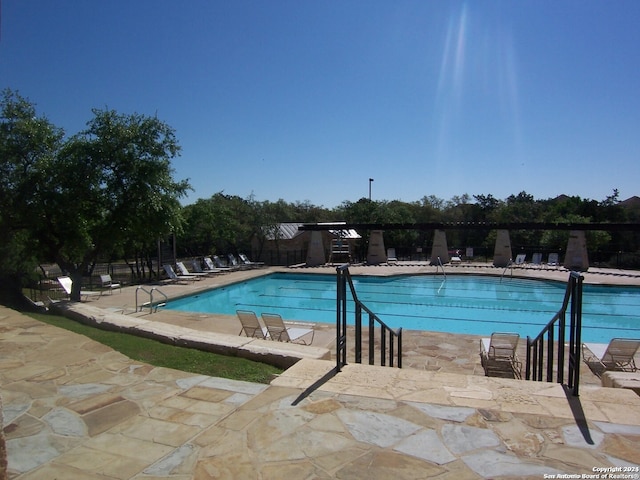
(95, 195)
(29, 144)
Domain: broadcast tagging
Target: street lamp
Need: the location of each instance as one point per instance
(370, 180)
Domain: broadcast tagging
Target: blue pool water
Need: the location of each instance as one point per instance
(476, 305)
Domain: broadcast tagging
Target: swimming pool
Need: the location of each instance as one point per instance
(470, 304)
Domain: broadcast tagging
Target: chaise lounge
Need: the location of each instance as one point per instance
(618, 354)
(278, 331)
(498, 355)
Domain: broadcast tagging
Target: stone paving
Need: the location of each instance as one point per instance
(75, 409)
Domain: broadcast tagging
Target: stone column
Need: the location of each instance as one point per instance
(502, 252)
(375, 252)
(577, 257)
(439, 248)
(315, 252)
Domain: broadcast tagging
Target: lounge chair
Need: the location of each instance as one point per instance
(520, 259)
(278, 331)
(619, 355)
(536, 259)
(391, 255)
(177, 278)
(251, 325)
(220, 264)
(245, 260)
(233, 262)
(553, 260)
(183, 272)
(108, 284)
(214, 267)
(197, 268)
(498, 355)
(67, 285)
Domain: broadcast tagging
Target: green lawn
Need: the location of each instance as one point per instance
(163, 355)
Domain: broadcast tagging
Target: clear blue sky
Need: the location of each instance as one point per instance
(307, 100)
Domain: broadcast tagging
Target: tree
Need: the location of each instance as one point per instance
(111, 186)
(95, 195)
(28, 145)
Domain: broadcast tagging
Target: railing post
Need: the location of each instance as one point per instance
(383, 346)
(527, 370)
(561, 337)
(372, 339)
(550, 345)
(400, 348)
(358, 325)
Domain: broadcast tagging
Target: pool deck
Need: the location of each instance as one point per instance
(75, 409)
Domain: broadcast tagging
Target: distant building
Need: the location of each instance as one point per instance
(284, 244)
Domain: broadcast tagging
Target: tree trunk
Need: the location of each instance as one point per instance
(75, 273)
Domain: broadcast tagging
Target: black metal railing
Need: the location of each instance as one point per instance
(390, 340)
(539, 361)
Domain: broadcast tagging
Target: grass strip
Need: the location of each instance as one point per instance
(160, 354)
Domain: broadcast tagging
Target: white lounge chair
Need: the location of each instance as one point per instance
(177, 278)
(245, 260)
(391, 255)
(220, 264)
(498, 355)
(553, 260)
(618, 354)
(67, 285)
(183, 272)
(197, 268)
(233, 262)
(108, 284)
(536, 259)
(214, 266)
(520, 259)
(251, 325)
(278, 331)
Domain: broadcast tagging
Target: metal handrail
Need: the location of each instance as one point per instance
(156, 289)
(152, 306)
(442, 267)
(535, 362)
(509, 265)
(344, 278)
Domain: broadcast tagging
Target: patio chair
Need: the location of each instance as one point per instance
(391, 255)
(498, 355)
(245, 260)
(520, 259)
(197, 268)
(251, 325)
(108, 284)
(536, 259)
(278, 331)
(618, 354)
(177, 278)
(215, 267)
(183, 272)
(220, 264)
(233, 262)
(553, 260)
(67, 284)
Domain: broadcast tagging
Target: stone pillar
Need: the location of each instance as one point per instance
(502, 252)
(315, 252)
(376, 253)
(439, 248)
(577, 257)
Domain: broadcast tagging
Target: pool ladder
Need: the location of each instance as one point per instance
(153, 307)
(509, 266)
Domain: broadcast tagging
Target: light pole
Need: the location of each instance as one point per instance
(370, 180)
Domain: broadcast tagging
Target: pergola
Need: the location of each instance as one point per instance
(576, 257)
